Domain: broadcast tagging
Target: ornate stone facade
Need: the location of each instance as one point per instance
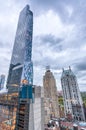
(72, 99)
(50, 96)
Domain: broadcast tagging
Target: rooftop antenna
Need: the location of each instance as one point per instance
(63, 69)
(69, 68)
(47, 68)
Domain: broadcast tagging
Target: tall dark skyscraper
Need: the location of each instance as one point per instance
(21, 67)
(20, 77)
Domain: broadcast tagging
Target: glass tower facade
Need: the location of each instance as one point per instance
(21, 67)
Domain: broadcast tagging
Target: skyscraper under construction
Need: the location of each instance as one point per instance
(20, 76)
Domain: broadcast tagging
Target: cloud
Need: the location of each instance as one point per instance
(59, 6)
(81, 64)
(69, 11)
(49, 40)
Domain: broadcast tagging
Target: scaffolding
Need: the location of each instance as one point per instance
(22, 115)
(23, 110)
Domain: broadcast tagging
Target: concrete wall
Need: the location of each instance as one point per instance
(39, 114)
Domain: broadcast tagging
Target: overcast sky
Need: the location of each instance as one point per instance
(59, 36)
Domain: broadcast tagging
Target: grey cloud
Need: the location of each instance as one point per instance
(56, 45)
(50, 40)
(59, 6)
(50, 4)
(80, 65)
(1, 45)
(45, 61)
(81, 75)
(70, 12)
(24, 2)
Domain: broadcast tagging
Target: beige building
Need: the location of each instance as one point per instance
(50, 96)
